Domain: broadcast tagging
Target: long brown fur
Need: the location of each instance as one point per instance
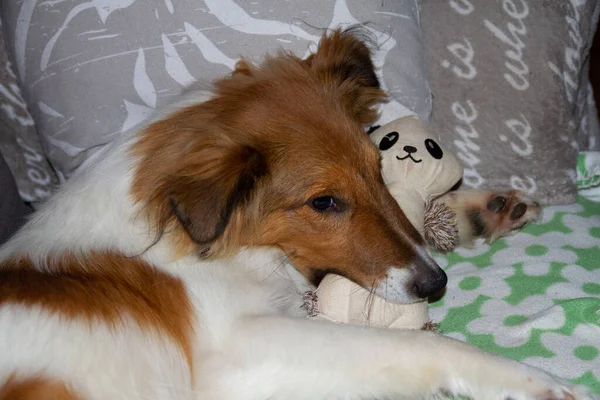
(36, 388)
(242, 168)
(102, 286)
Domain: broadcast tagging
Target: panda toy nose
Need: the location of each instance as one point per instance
(409, 149)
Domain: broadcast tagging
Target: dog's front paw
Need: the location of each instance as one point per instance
(518, 383)
(550, 388)
(564, 391)
(571, 393)
(490, 214)
(507, 212)
(559, 392)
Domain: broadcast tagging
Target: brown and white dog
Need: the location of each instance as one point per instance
(158, 271)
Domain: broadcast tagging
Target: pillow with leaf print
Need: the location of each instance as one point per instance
(91, 69)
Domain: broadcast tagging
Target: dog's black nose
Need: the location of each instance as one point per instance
(409, 149)
(432, 283)
(428, 277)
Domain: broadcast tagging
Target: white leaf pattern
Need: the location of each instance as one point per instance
(136, 113)
(174, 64)
(169, 5)
(234, 16)
(46, 109)
(66, 146)
(52, 42)
(210, 52)
(104, 8)
(141, 81)
(22, 30)
(342, 15)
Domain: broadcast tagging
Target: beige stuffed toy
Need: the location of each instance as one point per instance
(416, 170)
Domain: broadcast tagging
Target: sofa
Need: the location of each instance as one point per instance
(505, 85)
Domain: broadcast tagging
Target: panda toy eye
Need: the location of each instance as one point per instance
(433, 148)
(388, 141)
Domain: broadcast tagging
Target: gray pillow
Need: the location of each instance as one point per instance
(19, 140)
(510, 86)
(91, 70)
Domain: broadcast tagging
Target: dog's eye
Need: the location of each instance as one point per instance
(323, 203)
(434, 149)
(388, 141)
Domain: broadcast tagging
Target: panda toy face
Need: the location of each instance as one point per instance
(413, 159)
(429, 148)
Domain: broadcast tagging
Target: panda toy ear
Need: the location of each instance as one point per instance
(373, 128)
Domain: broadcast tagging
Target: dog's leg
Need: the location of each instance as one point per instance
(489, 214)
(285, 358)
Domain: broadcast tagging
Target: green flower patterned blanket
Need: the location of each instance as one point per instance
(535, 296)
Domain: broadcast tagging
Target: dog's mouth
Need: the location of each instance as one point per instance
(408, 156)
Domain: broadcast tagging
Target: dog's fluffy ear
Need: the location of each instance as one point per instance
(343, 62)
(203, 196)
(243, 67)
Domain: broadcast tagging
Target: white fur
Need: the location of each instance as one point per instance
(107, 364)
(249, 342)
(393, 288)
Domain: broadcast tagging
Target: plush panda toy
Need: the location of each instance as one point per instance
(416, 169)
